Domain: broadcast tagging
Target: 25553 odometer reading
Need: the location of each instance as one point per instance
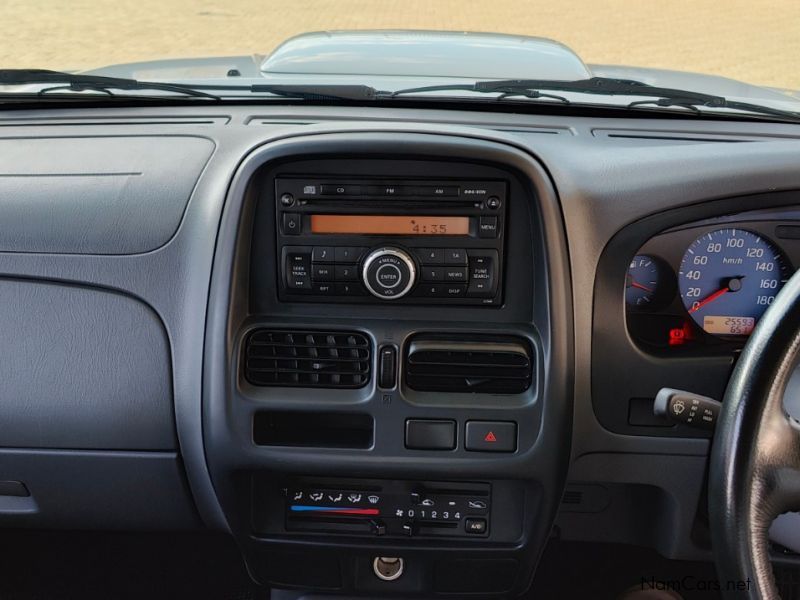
(389, 225)
(728, 278)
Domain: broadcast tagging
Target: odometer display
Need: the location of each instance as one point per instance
(729, 325)
(728, 278)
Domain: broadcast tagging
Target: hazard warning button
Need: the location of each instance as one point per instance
(491, 436)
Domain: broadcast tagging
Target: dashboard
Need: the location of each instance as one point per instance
(342, 334)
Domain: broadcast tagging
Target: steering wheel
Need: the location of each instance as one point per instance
(755, 457)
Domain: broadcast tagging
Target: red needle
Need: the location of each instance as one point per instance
(640, 286)
(711, 298)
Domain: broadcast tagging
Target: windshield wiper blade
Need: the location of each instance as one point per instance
(95, 83)
(603, 86)
(301, 91)
(318, 92)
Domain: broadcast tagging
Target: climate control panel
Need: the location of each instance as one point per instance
(399, 509)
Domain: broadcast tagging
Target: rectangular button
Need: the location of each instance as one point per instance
(482, 276)
(322, 272)
(491, 436)
(453, 290)
(384, 190)
(331, 189)
(476, 526)
(428, 290)
(291, 224)
(487, 227)
(324, 289)
(298, 270)
(455, 274)
(441, 290)
(322, 254)
(431, 256)
(432, 273)
(350, 289)
(455, 256)
(425, 434)
(348, 254)
(346, 273)
(437, 190)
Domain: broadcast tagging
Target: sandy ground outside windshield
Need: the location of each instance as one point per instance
(757, 42)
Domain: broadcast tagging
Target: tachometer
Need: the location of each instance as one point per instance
(728, 278)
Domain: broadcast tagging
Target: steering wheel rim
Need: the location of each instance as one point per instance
(754, 473)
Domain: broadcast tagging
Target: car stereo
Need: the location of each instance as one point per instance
(374, 240)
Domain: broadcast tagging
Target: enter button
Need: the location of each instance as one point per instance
(491, 436)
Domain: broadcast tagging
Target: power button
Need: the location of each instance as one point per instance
(291, 224)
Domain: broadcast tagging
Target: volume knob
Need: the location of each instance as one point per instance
(389, 273)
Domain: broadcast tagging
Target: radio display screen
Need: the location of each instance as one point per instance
(389, 225)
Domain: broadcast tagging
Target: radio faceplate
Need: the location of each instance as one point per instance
(398, 241)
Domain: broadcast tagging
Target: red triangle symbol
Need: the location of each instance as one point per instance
(490, 437)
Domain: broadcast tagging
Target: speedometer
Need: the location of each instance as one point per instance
(728, 278)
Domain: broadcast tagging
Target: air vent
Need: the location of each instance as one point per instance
(469, 364)
(325, 359)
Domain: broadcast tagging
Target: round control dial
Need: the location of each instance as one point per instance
(389, 273)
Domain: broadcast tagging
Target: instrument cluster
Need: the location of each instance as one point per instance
(706, 285)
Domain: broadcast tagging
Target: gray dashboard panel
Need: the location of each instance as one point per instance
(602, 183)
(82, 368)
(95, 195)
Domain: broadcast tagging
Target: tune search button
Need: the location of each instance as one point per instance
(389, 273)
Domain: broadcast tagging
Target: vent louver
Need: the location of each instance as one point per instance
(471, 364)
(325, 359)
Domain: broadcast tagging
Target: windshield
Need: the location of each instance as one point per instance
(738, 50)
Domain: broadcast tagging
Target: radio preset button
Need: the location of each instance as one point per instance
(389, 273)
(455, 256)
(350, 289)
(432, 273)
(322, 254)
(431, 256)
(345, 273)
(348, 254)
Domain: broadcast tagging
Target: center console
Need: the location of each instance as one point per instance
(388, 366)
